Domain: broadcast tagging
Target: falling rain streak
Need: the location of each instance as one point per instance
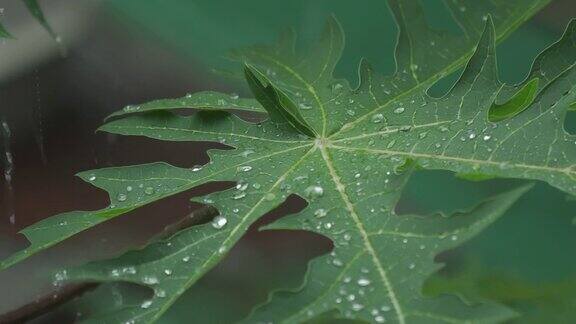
(38, 120)
(8, 164)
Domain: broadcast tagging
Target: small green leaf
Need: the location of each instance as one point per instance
(4, 33)
(475, 176)
(36, 11)
(279, 106)
(521, 100)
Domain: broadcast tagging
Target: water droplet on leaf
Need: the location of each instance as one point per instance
(314, 191)
(244, 168)
(363, 282)
(320, 213)
(219, 221)
(146, 304)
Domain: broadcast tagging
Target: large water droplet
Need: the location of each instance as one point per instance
(321, 212)
(244, 168)
(357, 307)
(146, 304)
(314, 191)
(377, 118)
(150, 280)
(241, 186)
(363, 282)
(399, 110)
(219, 221)
(269, 196)
(239, 195)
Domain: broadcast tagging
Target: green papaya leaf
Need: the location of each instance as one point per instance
(360, 146)
(34, 8)
(4, 33)
(36, 11)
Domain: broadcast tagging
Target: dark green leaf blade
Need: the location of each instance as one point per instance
(376, 270)
(4, 33)
(520, 101)
(454, 132)
(36, 11)
(278, 104)
(206, 100)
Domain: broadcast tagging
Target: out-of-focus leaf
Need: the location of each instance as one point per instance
(552, 302)
(4, 33)
(35, 9)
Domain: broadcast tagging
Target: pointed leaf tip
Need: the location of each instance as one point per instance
(281, 108)
(4, 33)
(515, 105)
